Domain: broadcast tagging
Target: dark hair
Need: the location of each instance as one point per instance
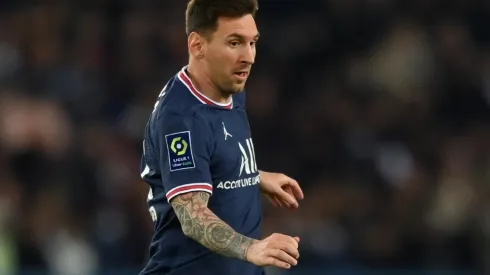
(202, 15)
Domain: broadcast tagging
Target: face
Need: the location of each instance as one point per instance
(230, 52)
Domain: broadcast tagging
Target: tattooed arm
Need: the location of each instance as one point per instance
(201, 224)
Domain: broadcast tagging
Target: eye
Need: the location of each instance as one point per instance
(234, 44)
(253, 43)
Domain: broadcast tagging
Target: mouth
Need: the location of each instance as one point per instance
(241, 74)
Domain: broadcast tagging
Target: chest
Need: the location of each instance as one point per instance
(233, 163)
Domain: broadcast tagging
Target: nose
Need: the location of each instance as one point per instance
(248, 55)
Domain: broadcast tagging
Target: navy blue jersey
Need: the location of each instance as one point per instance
(194, 144)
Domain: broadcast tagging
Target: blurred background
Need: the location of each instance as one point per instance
(380, 109)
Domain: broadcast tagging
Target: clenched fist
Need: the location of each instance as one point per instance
(277, 250)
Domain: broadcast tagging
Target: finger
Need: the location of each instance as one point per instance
(286, 197)
(289, 190)
(278, 201)
(294, 242)
(298, 193)
(273, 201)
(296, 239)
(292, 249)
(289, 247)
(276, 262)
(278, 238)
(291, 206)
(283, 256)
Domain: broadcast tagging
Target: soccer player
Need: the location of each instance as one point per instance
(199, 158)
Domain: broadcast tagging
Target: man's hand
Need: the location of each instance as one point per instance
(280, 189)
(277, 250)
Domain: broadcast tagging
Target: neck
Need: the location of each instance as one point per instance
(205, 85)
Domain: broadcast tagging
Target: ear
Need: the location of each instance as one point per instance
(195, 42)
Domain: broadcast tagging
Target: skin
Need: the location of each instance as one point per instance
(281, 189)
(201, 224)
(215, 58)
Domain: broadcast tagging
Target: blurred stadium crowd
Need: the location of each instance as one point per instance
(380, 108)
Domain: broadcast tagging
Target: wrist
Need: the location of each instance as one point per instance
(248, 248)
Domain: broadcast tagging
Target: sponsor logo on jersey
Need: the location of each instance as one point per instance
(179, 148)
(226, 132)
(248, 167)
(240, 183)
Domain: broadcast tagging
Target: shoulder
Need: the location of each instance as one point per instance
(176, 114)
(174, 119)
(175, 102)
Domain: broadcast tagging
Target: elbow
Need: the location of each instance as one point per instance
(186, 231)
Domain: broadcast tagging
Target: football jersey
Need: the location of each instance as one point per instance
(195, 144)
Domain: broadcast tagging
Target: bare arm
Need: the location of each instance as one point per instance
(201, 224)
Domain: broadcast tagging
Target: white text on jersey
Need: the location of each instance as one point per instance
(246, 182)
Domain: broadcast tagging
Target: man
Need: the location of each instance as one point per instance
(199, 157)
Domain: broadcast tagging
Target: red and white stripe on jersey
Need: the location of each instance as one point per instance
(184, 78)
(191, 187)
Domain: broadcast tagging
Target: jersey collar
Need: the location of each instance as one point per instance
(185, 79)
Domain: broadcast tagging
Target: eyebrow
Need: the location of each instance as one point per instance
(239, 36)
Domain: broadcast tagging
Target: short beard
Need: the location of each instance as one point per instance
(229, 92)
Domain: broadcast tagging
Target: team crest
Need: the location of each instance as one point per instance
(179, 149)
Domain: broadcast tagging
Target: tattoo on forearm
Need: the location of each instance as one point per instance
(202, 225)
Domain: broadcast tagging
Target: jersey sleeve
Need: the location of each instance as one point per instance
(184, 155)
